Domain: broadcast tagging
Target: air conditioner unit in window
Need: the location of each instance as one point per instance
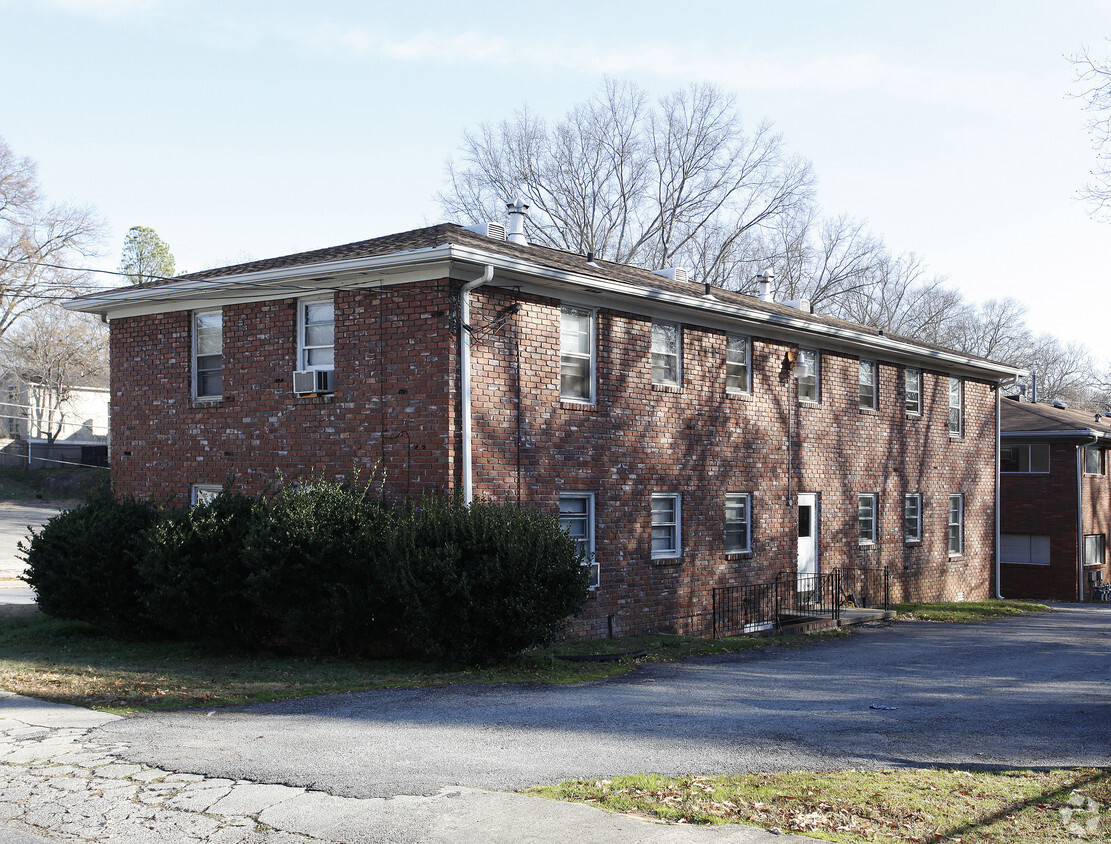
(311, 382)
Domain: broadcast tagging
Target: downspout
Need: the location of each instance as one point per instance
(465, 373)
(1080, 515)
(998, 434)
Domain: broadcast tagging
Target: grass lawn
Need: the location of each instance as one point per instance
(906, 805)
(57, 484)
(73, 662)
(968, 611)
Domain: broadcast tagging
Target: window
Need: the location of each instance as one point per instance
(736, 365)
(208, 354)
(866, 518)
(1093, 460)
(1024, 458)
(956, 525)
(912, 517)
(204, 493)
(867, 385)
(956, 400)
(576, 517)
(737, 522)
(1094, 547)
(806, 368)
(665, 525)
(666, 344)
(316, 335)
(576, 354)
(1023, 548)
(912, 381)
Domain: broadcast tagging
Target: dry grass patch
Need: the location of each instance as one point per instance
(853, 807)
(967, 611)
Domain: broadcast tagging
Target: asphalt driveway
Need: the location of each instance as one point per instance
(1027, 692)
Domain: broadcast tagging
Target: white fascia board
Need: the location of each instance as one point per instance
(1075, 434)
(772, 325)
(263, 285)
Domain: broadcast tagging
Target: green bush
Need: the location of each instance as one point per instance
(83, 563)
(482, 582)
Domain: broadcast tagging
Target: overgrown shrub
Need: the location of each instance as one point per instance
(83, 563)
(482, 582)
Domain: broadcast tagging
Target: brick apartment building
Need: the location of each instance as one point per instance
(1055, 501)
(690, 437)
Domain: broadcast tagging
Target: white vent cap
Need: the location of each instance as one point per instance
(674, 273)
(494, 231)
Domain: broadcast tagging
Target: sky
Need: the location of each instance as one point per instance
(243, 130)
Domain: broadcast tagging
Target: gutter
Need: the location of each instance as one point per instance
(465, 374)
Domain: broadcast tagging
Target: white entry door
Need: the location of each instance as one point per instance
(808, 536)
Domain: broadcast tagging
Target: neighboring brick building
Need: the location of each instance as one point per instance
(683, 433)
(1055, 501)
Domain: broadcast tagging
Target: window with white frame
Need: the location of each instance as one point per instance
(737, 372)
(208, 354)
(806, 370)
(1024, 549)
(204, 493)
(738, 522)
(1024, 458)
(1094, 549)
(576, 517)
(912, 517)
(956, 525)
(316, 334)
(666, 538)
(1094, 463)
(576, 354)
(667, 344)
(866, 518)
(912, 390)
(868, 385)
(956, 406)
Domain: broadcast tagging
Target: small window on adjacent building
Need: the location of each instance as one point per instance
(737, 522)
(1094, 549)
(736, 365)
(317, 334)
(912, 382)
(912, 517)
(1024, 458)
(666, 525)
(1094, 461)
(868, 385)
(208, 354)
(806, 369)
(956, 525)
(956, 406)
(204, 493)
(576, 517)
(866, 518)
(666, 354)
(1025, 549)
(576, 354)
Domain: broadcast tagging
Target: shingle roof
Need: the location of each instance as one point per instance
(1028, 417)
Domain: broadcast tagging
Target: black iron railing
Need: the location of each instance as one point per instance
(868, 588)
(758, 607)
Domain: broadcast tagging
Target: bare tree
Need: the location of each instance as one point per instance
(38, 241)
(1094, 75)
(677, 183)
(55, 350)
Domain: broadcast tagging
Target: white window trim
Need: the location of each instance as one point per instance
(1011, 539)
(817, 377)
(678, 354)
(918, 391)
(747, 341)
(1102, 549)
(591, 559)
(194, 335)
(677, 548)
(875, 368)
(959, 407)
(860, 498)
(959, 524)
(917, 537)
(747, 522)
(1091, 449)
(302, 349)
(593, 354)
(203, 493)
(1029, 459)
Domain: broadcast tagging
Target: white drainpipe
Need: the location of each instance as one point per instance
(465, 370)
(998, 433)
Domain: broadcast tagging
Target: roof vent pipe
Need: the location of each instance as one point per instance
(764, 285)
(517, 209)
